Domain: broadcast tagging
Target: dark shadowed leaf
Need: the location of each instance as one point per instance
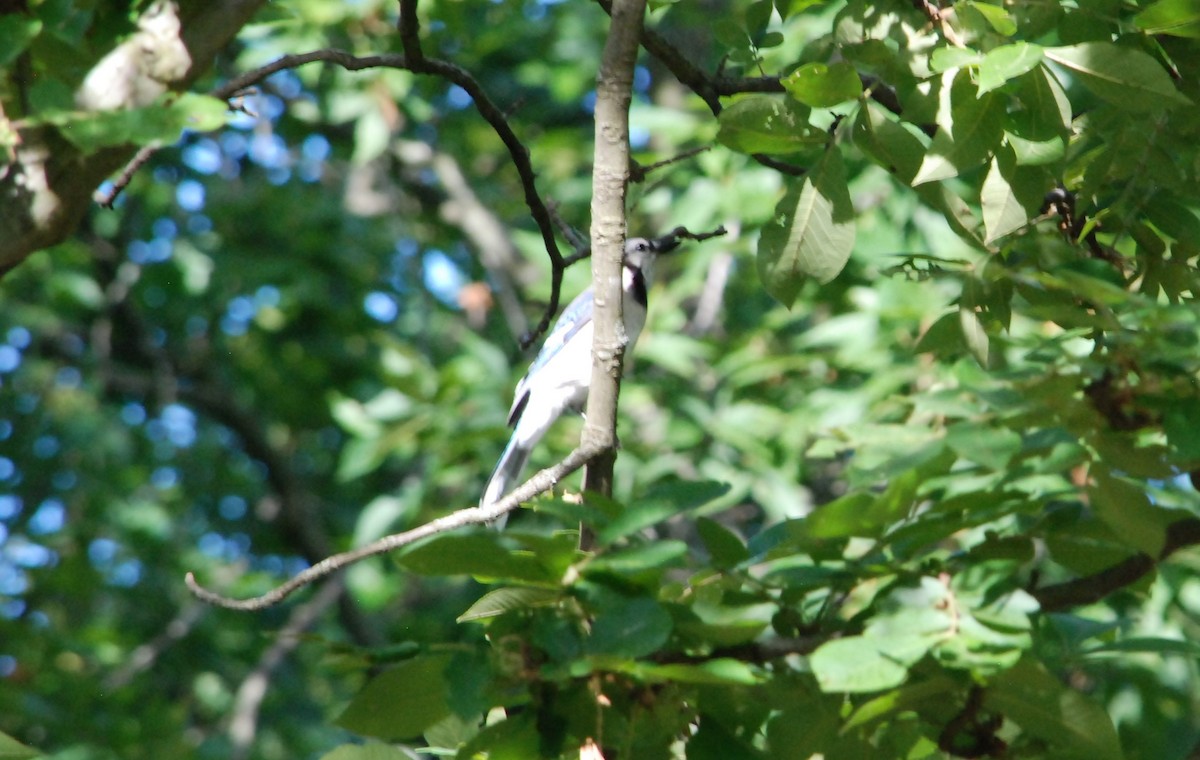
(896, 146)
(1073, 725)
(16, 32)
(628, 627)
(401, 702)
(723, 544)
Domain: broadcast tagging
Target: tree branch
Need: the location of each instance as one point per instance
(540, 483)
(47, 188)
(610, 179)
(1093, 588)
(243, 724)
(414, 60)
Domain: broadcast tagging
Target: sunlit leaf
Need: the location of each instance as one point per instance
(717, 671)
(1179, 18)
(502, 600)
(1007, 62)
(971, 136)
(812, 233)
(368, 751)
(140, 126)
(821, 85)
(763, 124)
(996, 16)
(1122, 75)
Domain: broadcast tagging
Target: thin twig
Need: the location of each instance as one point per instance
(243, 723)
(418, 63)
(538, 484)
(638, 173)
(107, 199)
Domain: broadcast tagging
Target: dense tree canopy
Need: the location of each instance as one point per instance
(908, 456)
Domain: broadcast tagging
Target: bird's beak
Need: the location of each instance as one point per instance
(666, 243)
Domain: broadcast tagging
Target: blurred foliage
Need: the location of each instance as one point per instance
(865, 438)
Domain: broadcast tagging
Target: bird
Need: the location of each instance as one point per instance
(558, 378)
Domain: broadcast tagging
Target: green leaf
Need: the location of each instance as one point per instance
(160, 123)
(642, 558)
(984, 443)
(16, 32)
(1007, 62)
(765, 124)
(1010, 197)
(812, 233)
(11, 749)
(846, 516)
(481, 554)
(720, 623)
(1036, 152)
(1046, 111)
(1174, 218)
(996, 16)
(974, 333)
(855, 664)
(758, 15)
(1181, 423)
(821, 85)
(726, 548)
(1148, 644)
(401, 702)
(1126, 509)
(502, 600)
(951, 57)
(911, 620)
(1075, 726)
(628, 627)
(368, 751)
(972, 133)
(1179, 18)
(1124, 76)
(896, 146)
(667, 499)
(721, 670)
(902, 698)
(1002, 213)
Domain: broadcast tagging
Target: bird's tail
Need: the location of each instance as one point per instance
(506, 475)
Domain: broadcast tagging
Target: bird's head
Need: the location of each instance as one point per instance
(640, 252)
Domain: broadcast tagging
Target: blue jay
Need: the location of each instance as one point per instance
(559, 377)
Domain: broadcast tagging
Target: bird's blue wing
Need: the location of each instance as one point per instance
(574, 318)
